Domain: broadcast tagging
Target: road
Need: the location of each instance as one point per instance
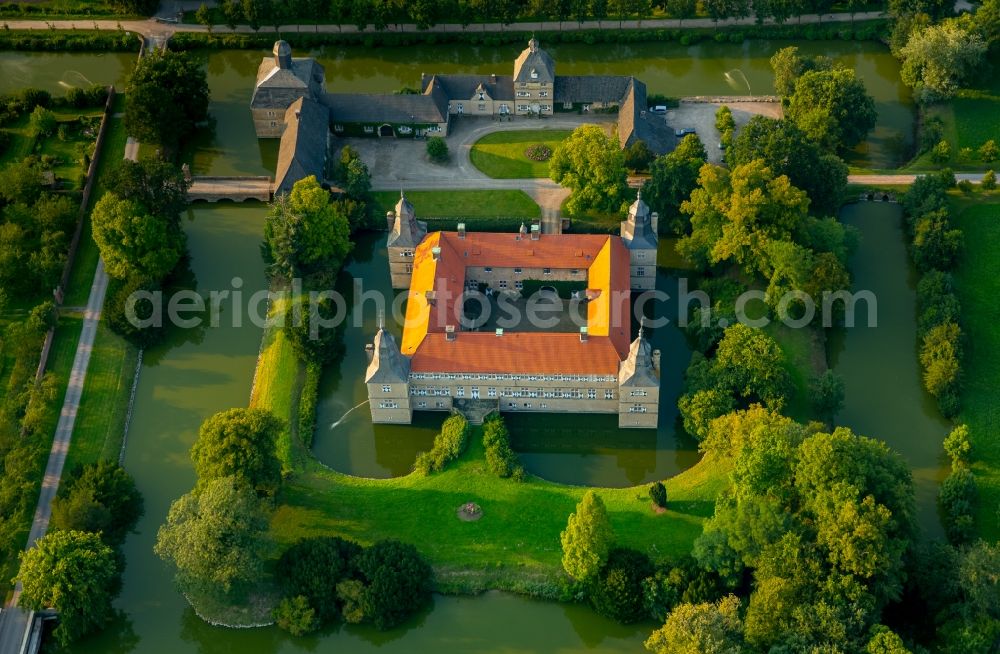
(905, 180)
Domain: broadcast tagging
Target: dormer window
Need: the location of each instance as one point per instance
(534, 74)
(482, 96)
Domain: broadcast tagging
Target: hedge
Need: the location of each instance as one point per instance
(69, 40)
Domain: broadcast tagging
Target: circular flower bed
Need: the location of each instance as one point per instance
(470, 512)
(538, 152)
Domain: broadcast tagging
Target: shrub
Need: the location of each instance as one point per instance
(294, 615)
(989, 151)
(936, 301)
(935, 244)
(931, 133)
(941, 152)
(448, 446)
(958, 499)
(312, 568)
(724, 121)
(965, 186)
(989, 179)
(658, 493)
(42, 122)
(437, 149)
(958, 447)
(940, 358)
(617, 591)
(312, 331)
(397, 583)
(500, 457)
(144, 335)
(538, 152)
(638, 156)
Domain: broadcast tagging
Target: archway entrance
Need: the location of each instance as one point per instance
(386, 130)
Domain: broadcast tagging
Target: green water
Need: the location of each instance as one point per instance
(56, 72)
(884, 396)
(584, 449)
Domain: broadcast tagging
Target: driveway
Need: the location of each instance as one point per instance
(701, 116)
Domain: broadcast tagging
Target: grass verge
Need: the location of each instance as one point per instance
(978, 284)
(473, 207)
(501, 154)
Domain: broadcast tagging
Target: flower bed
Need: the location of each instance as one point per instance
(538, 152)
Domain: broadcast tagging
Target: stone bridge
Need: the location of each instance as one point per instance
(237, 189)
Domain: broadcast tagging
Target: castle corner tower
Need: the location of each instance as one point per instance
(639, 385)
(638, 232)
(388, 381)
(405, 234)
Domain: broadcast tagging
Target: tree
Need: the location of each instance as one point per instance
(672, 178)
(309, 327)
(166, 96)
(20, 183)
(989, 181)
(42, 122)
(241, 444)
(681, 9)
(313, 567)
(724, 121)
(397, 583)
(752, 363)
(592, 165)
(133, 242)
(215, 536)
(294, 615)
(437, 149)
(786, 150)
(941, 360)
(886, 642)
(939, 59)
(638, 156)
(157, 185)
(99, 497)
(305, 232)
(788, 66)
(616, 593)
(74, 573)
(989, 151)
(958, 447)
(700, 629)
(936, 246)
(827, 392)
(500, 458)
(832, 107)
(658, 493)
(587, 539)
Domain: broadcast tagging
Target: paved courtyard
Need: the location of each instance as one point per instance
(701, 116)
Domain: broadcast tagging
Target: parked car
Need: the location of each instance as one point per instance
(684, 131)
(659, 109)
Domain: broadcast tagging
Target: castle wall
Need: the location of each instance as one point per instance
(268, 123)
(390, 403)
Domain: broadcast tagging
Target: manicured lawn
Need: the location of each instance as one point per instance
(978, 282)
(804, 359)
(100, 420)
(977, 112)
(82, 274)
(501, 154)
(462, 204)
(277, 381)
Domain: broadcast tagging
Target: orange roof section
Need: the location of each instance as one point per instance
(436, 285)
(521, 352)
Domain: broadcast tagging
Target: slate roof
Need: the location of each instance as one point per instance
(533, 58)
(303, 144)
(463, 87)
(637, 230)
(637, 368)
(388, 365)
(402, 108)
(407, 231)
(634, 122)
(591, 88)
(276, 88)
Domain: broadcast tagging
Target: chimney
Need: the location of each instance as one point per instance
(370, 351)
(583, 334)
(499, 331)
(449, 333)
(654, 220)
(461, 230)
(656, 360)
(436, 253)
(536, 232)
(390, 219)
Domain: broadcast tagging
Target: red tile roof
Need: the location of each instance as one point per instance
(522, 352)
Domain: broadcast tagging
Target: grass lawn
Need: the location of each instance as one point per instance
(501, 154)
(100, 420)
(978, 283)
(82, 274)
(804, 358)
(277, 381)
(68, 166)
(432, 205)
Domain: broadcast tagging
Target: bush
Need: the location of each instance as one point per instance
(294, 615)
(958, 447)
(310, 329)
(500, 458)
(437, 149)
(936, 301)
(397, 583)
(931, 133)
(448, 446)
(312, 568)
(139, 334)
(42, 122)
(616, 593)
(989, 180)
(724, 121)
(941, 360)
(638, 156)
(989, 151)
(958, 499)
(936, 246)
(658, 493)
(538, 152)
(941, 152)
(307, 403)
(99, 497)
(965, 186)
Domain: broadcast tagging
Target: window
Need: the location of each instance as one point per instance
(504, 109)
(639, 393)
(274, 124)
(543, 107)
(338, 128)
(491, 392)
(408, 268)
(522, 107)
(543, 94)
(575, 271)
(421, 405)
(592, 394)
(488, 269)
(503, 283)
(407, 253)
(534, 74)
(609, 394)
(523, 94)
(640, 254)
(511, 405)
(519, 285)
(369, 129)
(640, 272)
(482, 106)
(461, 108)
(543, 405)
(546, 271)
(517, 271)
(461, 391)
(637, 408)
(482, 96)
(388, 405)
(386, 388)
(527, 405)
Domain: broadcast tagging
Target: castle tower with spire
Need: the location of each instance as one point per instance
(405, 234)
(388, 380)
(639, 385)
(638, 232)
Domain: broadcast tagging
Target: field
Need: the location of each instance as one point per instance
(978, 282)
(432, 205)
(501, 154)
